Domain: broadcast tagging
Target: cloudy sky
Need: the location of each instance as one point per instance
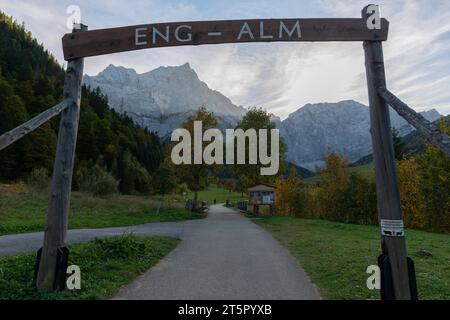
(280, 77)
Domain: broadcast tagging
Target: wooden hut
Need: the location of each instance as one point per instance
(261, 195)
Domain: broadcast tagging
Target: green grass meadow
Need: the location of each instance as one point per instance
(25, 212)
(336, 256)
(221, 195)
(22, 212)
(106, 265)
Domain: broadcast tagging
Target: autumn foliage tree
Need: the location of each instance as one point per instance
(410, 193)
(195, 175)
(334, 178)
(434, 171)
(250, 174)
(290, 196)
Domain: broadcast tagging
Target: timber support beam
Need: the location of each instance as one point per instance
(427, 129)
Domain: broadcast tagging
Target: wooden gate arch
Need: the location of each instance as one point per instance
(370, 29)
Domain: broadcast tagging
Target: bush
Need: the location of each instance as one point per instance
(342, 196)
(290, 195)
(358, 201)
(164, 180)
(39, 179)
(410, 194)
(126, 246)
(17, 187)
(182, 188)
(97, 181)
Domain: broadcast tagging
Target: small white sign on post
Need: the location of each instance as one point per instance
(266, 200)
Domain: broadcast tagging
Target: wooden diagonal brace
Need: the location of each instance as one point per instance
(428, 130)
(15, 134)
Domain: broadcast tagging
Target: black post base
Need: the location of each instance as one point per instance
(62, 260)
(387, 286)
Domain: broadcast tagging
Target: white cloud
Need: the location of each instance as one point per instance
(280, 77)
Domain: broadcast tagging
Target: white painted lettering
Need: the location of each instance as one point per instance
(156, 33)
(290, 33)
(140, 37)
(246, 30)
(188, 36)
(261, 31)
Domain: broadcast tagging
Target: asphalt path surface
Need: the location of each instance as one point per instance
(225, 256)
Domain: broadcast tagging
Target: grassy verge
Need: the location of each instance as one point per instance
(25, 212)
(336, 256)
(366, 171)
(106, 265)
(213, 192)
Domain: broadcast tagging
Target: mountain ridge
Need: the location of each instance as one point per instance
(161, 99)
(313, 131)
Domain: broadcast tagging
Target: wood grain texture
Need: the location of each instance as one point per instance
(106, 41)
(59, 200)
(15, 134)
(428, 130)
(388, 195)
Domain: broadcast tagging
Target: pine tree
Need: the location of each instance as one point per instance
(31, 81)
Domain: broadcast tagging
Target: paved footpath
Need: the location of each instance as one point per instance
(31, 242)
(225, 256)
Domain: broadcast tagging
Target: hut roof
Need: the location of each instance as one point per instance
(262, 187)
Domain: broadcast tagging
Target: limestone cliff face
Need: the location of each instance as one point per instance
(315, 130)
(163, 98)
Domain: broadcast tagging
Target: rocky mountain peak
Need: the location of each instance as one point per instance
(163, 98)
(315, 130)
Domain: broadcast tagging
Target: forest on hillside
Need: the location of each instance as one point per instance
(110, 146)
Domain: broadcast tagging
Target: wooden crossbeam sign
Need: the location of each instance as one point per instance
(105, 41)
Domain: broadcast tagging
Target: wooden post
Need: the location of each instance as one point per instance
(59, 199)
(388, 195)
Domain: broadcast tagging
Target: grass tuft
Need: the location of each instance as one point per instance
(336, 256)
(25, 212)
(106, 265)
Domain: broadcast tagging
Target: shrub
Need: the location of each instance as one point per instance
(126, 246)
(17, 187)
(164, 180)
(410, 194)
(290, 196)
(341, 196)
(182, 188)
(358, 201)
(97, 180)
(39, 179)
